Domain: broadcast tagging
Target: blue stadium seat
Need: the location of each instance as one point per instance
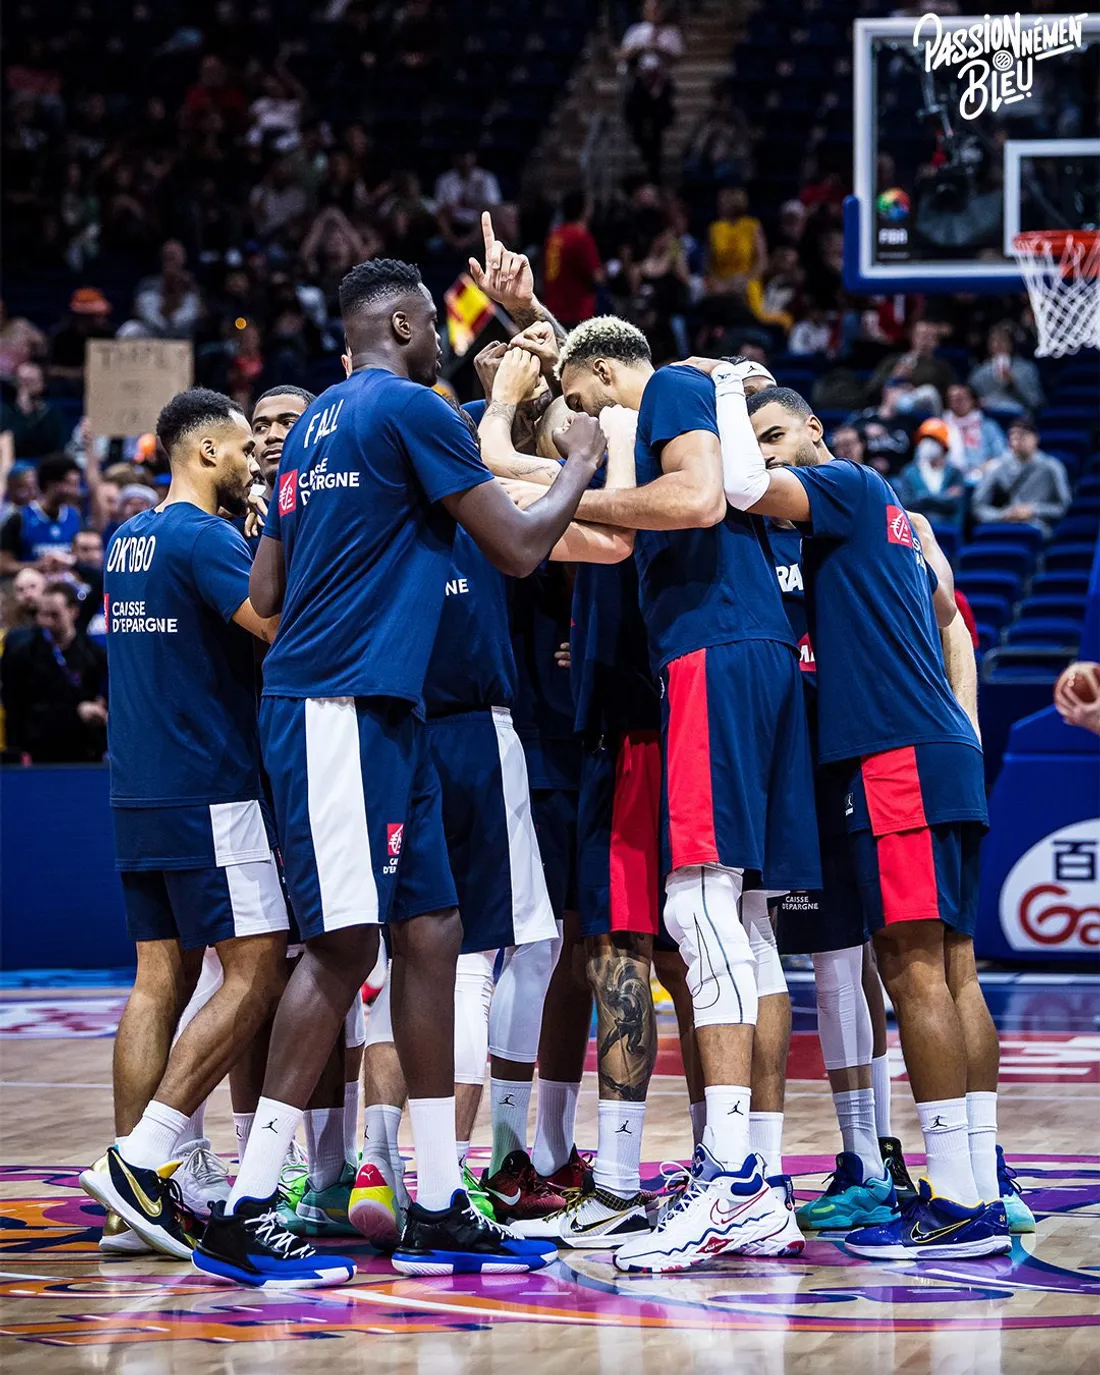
(1009, 532)
(948, 538)
(1073, 440)
(1060, 583)
(1070, 556)
(1053, 631)
(1017, 558)
(988, 636)
(1089, 486)
(990, 609)
(1074, 529)
(992, 582)
(1016, 664)
(1064, 607)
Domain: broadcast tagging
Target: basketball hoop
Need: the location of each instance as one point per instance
(1062, 271)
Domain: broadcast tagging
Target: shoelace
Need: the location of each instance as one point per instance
(679, 1202)
(488, 1224)
(1010, 1177)
(185, 1218)
(205, 1167)
(269, 1230)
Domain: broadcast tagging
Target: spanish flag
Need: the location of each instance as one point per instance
(469, 310)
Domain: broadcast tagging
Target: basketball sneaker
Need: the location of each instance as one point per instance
(517, 1192)
(892, 1158)
(325, 1212)
(478, 1195)
(598, 1221)
(1020, 1217)
(461, 1241)
(720, 1212)
(250, 1246)
(373, 1210)
(118, 1239)
(148, 1200)
(202, 1177)
(931, 1228)
(849, 1200)
(575, 1176)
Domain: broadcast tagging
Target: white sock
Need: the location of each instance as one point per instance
(619, 1152)
(947, 1148)
(698, 1121)
(324, 1146)
(855, 1115)
(153, 1140)
(268, 1143)
(726, 1134)
(382, 1121)
(463, 1152)
(351, 1121)
(433, 1129)
(193, 1132)
(555, 1123)
(766, 1139)
(509, 1101)
(880, 1079)
(242, 1125)
(981, 1117)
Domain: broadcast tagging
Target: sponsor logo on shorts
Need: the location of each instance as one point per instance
(288, 492)
(395, 834)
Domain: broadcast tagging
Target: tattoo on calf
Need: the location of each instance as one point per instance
(627, 1030)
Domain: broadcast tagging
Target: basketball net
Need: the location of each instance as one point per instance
(1062, 272)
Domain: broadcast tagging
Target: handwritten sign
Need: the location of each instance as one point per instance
(129, 381)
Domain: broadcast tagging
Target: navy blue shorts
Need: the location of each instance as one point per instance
(830, 917)
(618, 836)
(555, 813)
(358, 809)
(738, 779)
(200, 907)
(490, 834)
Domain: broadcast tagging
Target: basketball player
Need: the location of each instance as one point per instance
(355, 555)
(197, 865)
(909, 792)
(734, 780)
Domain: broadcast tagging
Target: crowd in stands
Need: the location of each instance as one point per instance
(218, 170)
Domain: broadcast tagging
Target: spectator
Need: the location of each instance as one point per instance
(167, 306)
(976, 438)
(87, 578)
(54, 681)
(792, 223)
(36, 426)
(1025, 485)
(572, 266)
(20, 342)
(651, 36)
(848, 443)
(461, 195)
(277, 114)
(40, 535)
(886, 429)
(776, 298)
(812, 334)
(918, 364)
(1005, 383)
(737, 251)
(214, 94)
(21, 487)
(88, 318)
(278, 200)
(718, 148)
(648, 110)
(132, 498)
(930, 484)
(24, 594)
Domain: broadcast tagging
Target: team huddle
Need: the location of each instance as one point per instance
(615, 673)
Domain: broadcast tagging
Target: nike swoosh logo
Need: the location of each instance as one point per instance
(918, 1235)
(148, 1206)
(581, 1228)
(508, 1199)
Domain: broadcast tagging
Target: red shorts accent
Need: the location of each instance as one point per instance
(692, 838)
(635, 868)
(906, 863)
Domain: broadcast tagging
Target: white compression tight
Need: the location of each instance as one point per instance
(515, 1018)
(770, 978)
(843, 1020)
(473, 991)
(701, 914)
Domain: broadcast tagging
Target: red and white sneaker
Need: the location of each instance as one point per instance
(518, 1192)
(575, 1176)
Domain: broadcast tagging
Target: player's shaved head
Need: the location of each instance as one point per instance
(553, 418)
(788, 432)
(604, 362)
(390, 320)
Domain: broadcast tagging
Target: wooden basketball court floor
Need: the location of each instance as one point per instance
(67, 1309)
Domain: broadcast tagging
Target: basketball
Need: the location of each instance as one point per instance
(1082, 680)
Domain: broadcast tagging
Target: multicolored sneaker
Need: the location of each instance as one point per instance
(373, 1210)
(1020, 1217)
(932, 1228)
(890, 1150)
(119, 1239)
(148, 1200)
(575, 1176)
(478, 1196)
(721, 1212)
(597, 1221)
(517, 1192)
(461, 1241)
(324, 1212)
(849, 1200)
(202, 1176)
(251, 1247)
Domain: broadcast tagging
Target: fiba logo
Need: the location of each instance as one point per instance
(995, 59)
(1050, 899)
(893, 205)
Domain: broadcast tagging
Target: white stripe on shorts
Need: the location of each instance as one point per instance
(532, 915)
(338, 814)
(256, 897)
(239, 833)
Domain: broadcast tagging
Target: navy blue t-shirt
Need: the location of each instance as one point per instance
(543, 710)
(880, 672)
(472, 664)
(786, 546)
(366, 546)
(613, 684)
(699, 587)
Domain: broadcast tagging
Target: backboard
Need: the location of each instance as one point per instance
(968, 130)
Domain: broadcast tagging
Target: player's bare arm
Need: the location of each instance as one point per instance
(514, 379)
(961, 667)
(263, 627)
(943, 599)
(267, 581)
(687, 496)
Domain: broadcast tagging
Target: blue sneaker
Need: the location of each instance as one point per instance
(251, 1246)
(849, 1200)
(932, 1228)
(461, 1241)
(324, 1212)
(1020, 1217)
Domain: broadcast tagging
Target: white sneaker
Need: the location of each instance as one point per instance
(120, 1239)
(789, 1241)
(598, 1221)
(202, 1177)
(719, 1213)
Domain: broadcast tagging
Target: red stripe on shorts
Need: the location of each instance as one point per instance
(690, 789)
(635, 834)
(891, 783)
(907, 876)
